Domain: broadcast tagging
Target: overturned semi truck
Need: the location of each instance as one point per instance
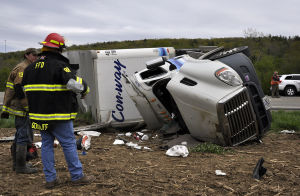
(215, 96)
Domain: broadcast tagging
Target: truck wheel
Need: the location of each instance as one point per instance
(290, 91)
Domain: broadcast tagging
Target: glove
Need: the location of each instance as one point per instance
(5, 115)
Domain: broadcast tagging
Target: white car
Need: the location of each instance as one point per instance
(290, 84)
(216, 98)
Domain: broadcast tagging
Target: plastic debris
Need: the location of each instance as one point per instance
(178, 150)
(55, 144)
(37, 134)
(128, 134)
(118, 142)
(38, 144)
(146, 148)
(137, 147)
(287, 131)
(259, 170)
(145, 137)
(86, 142)
(90, 133)
(131, 144)
(220, 173)
(136, 136)
(121, 134)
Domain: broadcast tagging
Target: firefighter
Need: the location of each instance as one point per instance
(51, 86)
(275, 81)
(15, 103)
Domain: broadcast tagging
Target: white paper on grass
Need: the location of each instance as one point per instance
(178, 150)
(131, 144)
(118, 142)
(128, 134)
(146, 148)
(220, 173)
(287, 131)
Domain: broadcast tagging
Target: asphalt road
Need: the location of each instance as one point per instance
(1, 97)
(282, 103)
(285, 103)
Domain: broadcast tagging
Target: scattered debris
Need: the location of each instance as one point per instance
(7, 139)
(287, 131)
(118, 142)
(259, 170)
(90, 133)
(38, 144)
(145, 137)
(178, 150)
(86, 142)
(220, 173)
(55, 144)
(128, 134)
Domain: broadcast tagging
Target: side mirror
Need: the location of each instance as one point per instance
(154, 64)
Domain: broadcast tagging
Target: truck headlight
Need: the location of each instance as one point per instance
(227, 76)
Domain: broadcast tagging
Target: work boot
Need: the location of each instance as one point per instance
(13, 155)
(54, 183)
(84, 180)
(21, 167)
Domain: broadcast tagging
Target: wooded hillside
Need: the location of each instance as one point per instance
(268, 53)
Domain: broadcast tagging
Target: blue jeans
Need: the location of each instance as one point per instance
(63, 132)
(24, 133)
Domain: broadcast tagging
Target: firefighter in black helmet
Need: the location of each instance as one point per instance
(51, 86)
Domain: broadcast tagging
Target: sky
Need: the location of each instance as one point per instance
(25, 23)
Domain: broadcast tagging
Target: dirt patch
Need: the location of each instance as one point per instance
(121, 170)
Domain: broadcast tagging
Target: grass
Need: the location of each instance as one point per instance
(285, 120)
(209, 148)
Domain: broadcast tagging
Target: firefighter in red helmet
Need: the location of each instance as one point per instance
(51, 86)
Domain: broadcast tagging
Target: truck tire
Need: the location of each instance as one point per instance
(290, 91)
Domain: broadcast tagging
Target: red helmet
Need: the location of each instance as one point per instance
(54, 40)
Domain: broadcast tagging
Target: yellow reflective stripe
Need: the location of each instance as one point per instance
(12, 111)
(56, 116)
(79, 79)
(9, 85)
(87, 91)
(45, 87)
(56, 42)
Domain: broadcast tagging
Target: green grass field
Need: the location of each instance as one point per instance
(285, 120)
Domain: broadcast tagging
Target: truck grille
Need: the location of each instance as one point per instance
(239, 115)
